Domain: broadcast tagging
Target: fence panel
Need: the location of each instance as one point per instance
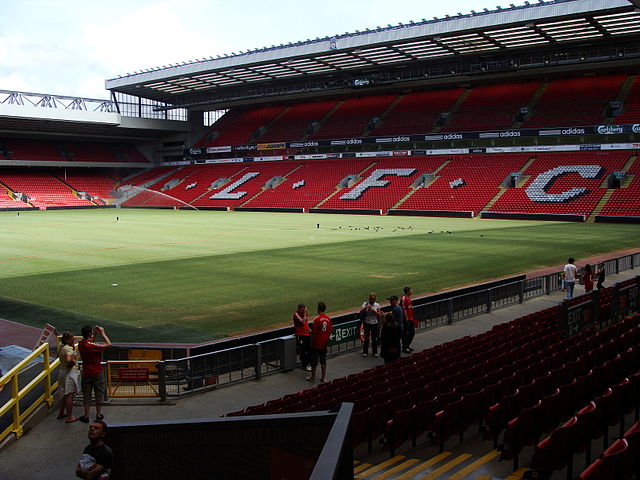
(133, 379)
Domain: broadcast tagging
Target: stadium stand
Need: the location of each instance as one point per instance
(624, 201)
(308, 185)
(562, 183)
(490, 107)
(98, 185)
(41, 150)
(43, 189)
(64, 150)
(575, 101)
(465, 183)
(246, 184)
(385, 182)
(297, 121)
(242, 127)
(353, 116)
(631, 113)
(417, 112)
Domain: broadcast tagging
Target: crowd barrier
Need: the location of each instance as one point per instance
(27, 392)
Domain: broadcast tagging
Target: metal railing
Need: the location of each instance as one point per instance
(252, 361)
(41, 381)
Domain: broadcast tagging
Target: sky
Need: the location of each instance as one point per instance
(70, 47)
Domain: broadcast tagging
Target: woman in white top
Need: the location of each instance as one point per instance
(370, 314)
(68, 376)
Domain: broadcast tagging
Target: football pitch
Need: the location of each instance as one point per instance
(193, 276)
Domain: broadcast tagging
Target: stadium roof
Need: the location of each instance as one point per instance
(532, 26)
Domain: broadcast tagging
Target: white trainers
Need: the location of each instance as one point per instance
(364, 354)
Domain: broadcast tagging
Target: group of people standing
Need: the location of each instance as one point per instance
(393, 330)
(313, 339)
(570, 276)
(97, 457)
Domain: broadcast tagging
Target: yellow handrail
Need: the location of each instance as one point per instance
(17, 394)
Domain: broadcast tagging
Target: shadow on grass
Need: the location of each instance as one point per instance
(37, 316)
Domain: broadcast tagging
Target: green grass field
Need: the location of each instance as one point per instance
(191, 276)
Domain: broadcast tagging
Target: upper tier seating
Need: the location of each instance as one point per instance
(490, 107)
(575, 101)
(352, 117)
(562, 183)
(417, 112)
(240, 129)
(293, 124)
(631, 113)
(466, 183)
(59, 151)
(39, 150)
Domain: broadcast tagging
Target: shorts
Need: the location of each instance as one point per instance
(68, 381)
(95, 384)
(318, 356)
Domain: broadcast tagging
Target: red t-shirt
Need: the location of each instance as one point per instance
(91, 354)
(300, 326)
(407, 307)
(322, 329)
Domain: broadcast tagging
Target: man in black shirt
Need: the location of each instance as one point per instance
(97, 457)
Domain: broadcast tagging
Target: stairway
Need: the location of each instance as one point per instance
(622, 95)
(338, 189)
(384, 114)
(521, 181)
(324, 119)
(443, 466)
(534, 100)
(454, 108)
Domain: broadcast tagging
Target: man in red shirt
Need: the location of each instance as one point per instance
(321, 333)
(92, 380)
(301, 329)
(409, 325)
